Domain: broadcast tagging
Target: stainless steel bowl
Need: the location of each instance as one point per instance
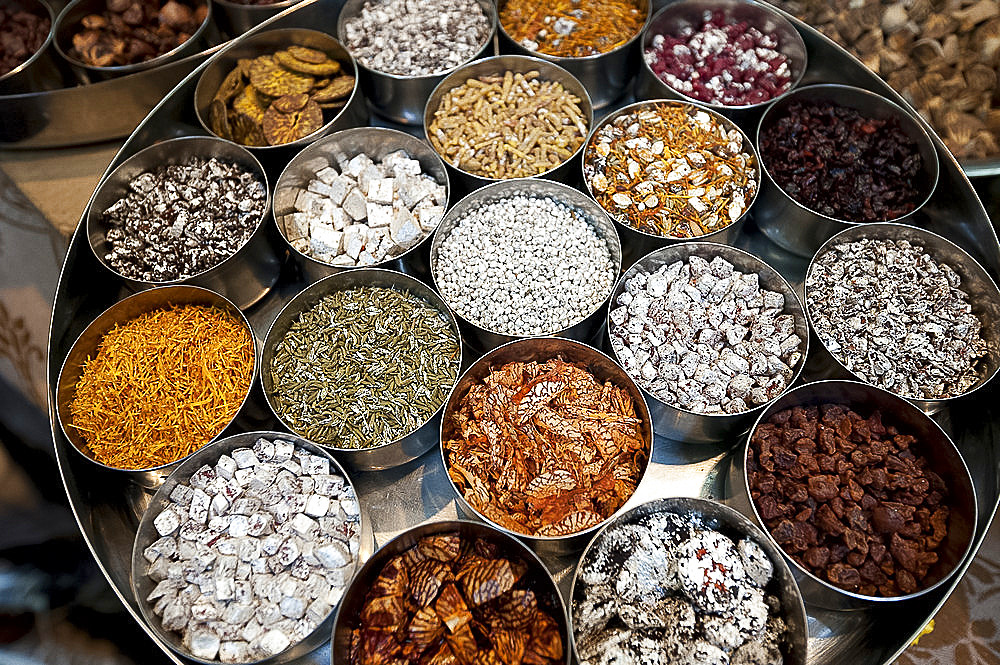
(606, 76)
(984, 297)
(734, 525)
(353, 114)
(543, 349)
(541, 582)
(680, 424)
(689, 14)
(68, 21)
(796, 228)
(376, 142)
(402, 98)
(935, 445)
(247, 275)
(637, 243)
(483, 339)
(121, 312)
(389, 454)
(146, 534)
(498, 66)
(39, 68)
(237, 18)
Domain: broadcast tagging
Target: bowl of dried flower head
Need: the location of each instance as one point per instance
(282, 87)
(547, 439)
(452, 592)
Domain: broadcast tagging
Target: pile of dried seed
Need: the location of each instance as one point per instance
(896, 318)
(942, 56)
(545, 449)
(849, 498)
(524, 266)
(254, 551)
(132, 31)
(841, 162)
(363, 367)
(416, 38)
(279, 98)
(22, 33)
(180, 220)
(574, 29)
(454, 599)
(509, 126)
(367, 213)
(721, 62)
(705, 337)
(670, 589)
(671, 169)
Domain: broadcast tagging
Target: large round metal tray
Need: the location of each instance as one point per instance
(108, 506)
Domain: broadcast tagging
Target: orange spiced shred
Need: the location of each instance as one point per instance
(572, 28)
(162, 385)
(544, 449)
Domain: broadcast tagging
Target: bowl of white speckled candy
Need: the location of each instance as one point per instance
(244, 552)
(686, 580)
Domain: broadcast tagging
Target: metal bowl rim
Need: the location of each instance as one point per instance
(643, 412)
(666, 504)
(489, 8)
(510, 183)
(319, 287)
(130, 68)
(748, 145)
(523, 59)
(49, 38)
(260, 172)
(933, 169)
(715, 106)
(558, 59)
(137, 558)
(254, 7)
(246, 397)
(399, 135)
(250, 40)
(973, 264)
(744, 451)
(788, 291)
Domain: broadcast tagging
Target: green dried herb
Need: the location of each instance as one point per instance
(364, 367)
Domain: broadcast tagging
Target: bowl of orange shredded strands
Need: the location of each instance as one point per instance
(155, 377)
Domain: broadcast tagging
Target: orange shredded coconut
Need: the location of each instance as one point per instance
(162, 385)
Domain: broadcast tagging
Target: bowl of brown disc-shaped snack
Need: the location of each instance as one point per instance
(280, 88)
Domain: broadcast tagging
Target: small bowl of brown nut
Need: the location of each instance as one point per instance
(101, 39)
(545, 110)
(280, 89)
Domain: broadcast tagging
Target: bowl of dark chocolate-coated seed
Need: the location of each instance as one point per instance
(880, 165)
(190, 210)
(361, 362)
(361, 197)
(404, 49)
(733, 56)
(686, 580)
(523, 258)
(597, 41)
(546, 111)
(711, 333)
(246, 549)
(905, 310)
(278, 90)
(897, 528)
(668, 171)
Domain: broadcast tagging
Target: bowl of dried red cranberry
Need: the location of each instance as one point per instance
(865, 495)
(835, 156)
(733, 56)
(25, 60)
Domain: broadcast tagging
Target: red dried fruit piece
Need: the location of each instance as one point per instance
(484, 581)
(424, 630)
(426, 579)
(451, 608)
(443, 547)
